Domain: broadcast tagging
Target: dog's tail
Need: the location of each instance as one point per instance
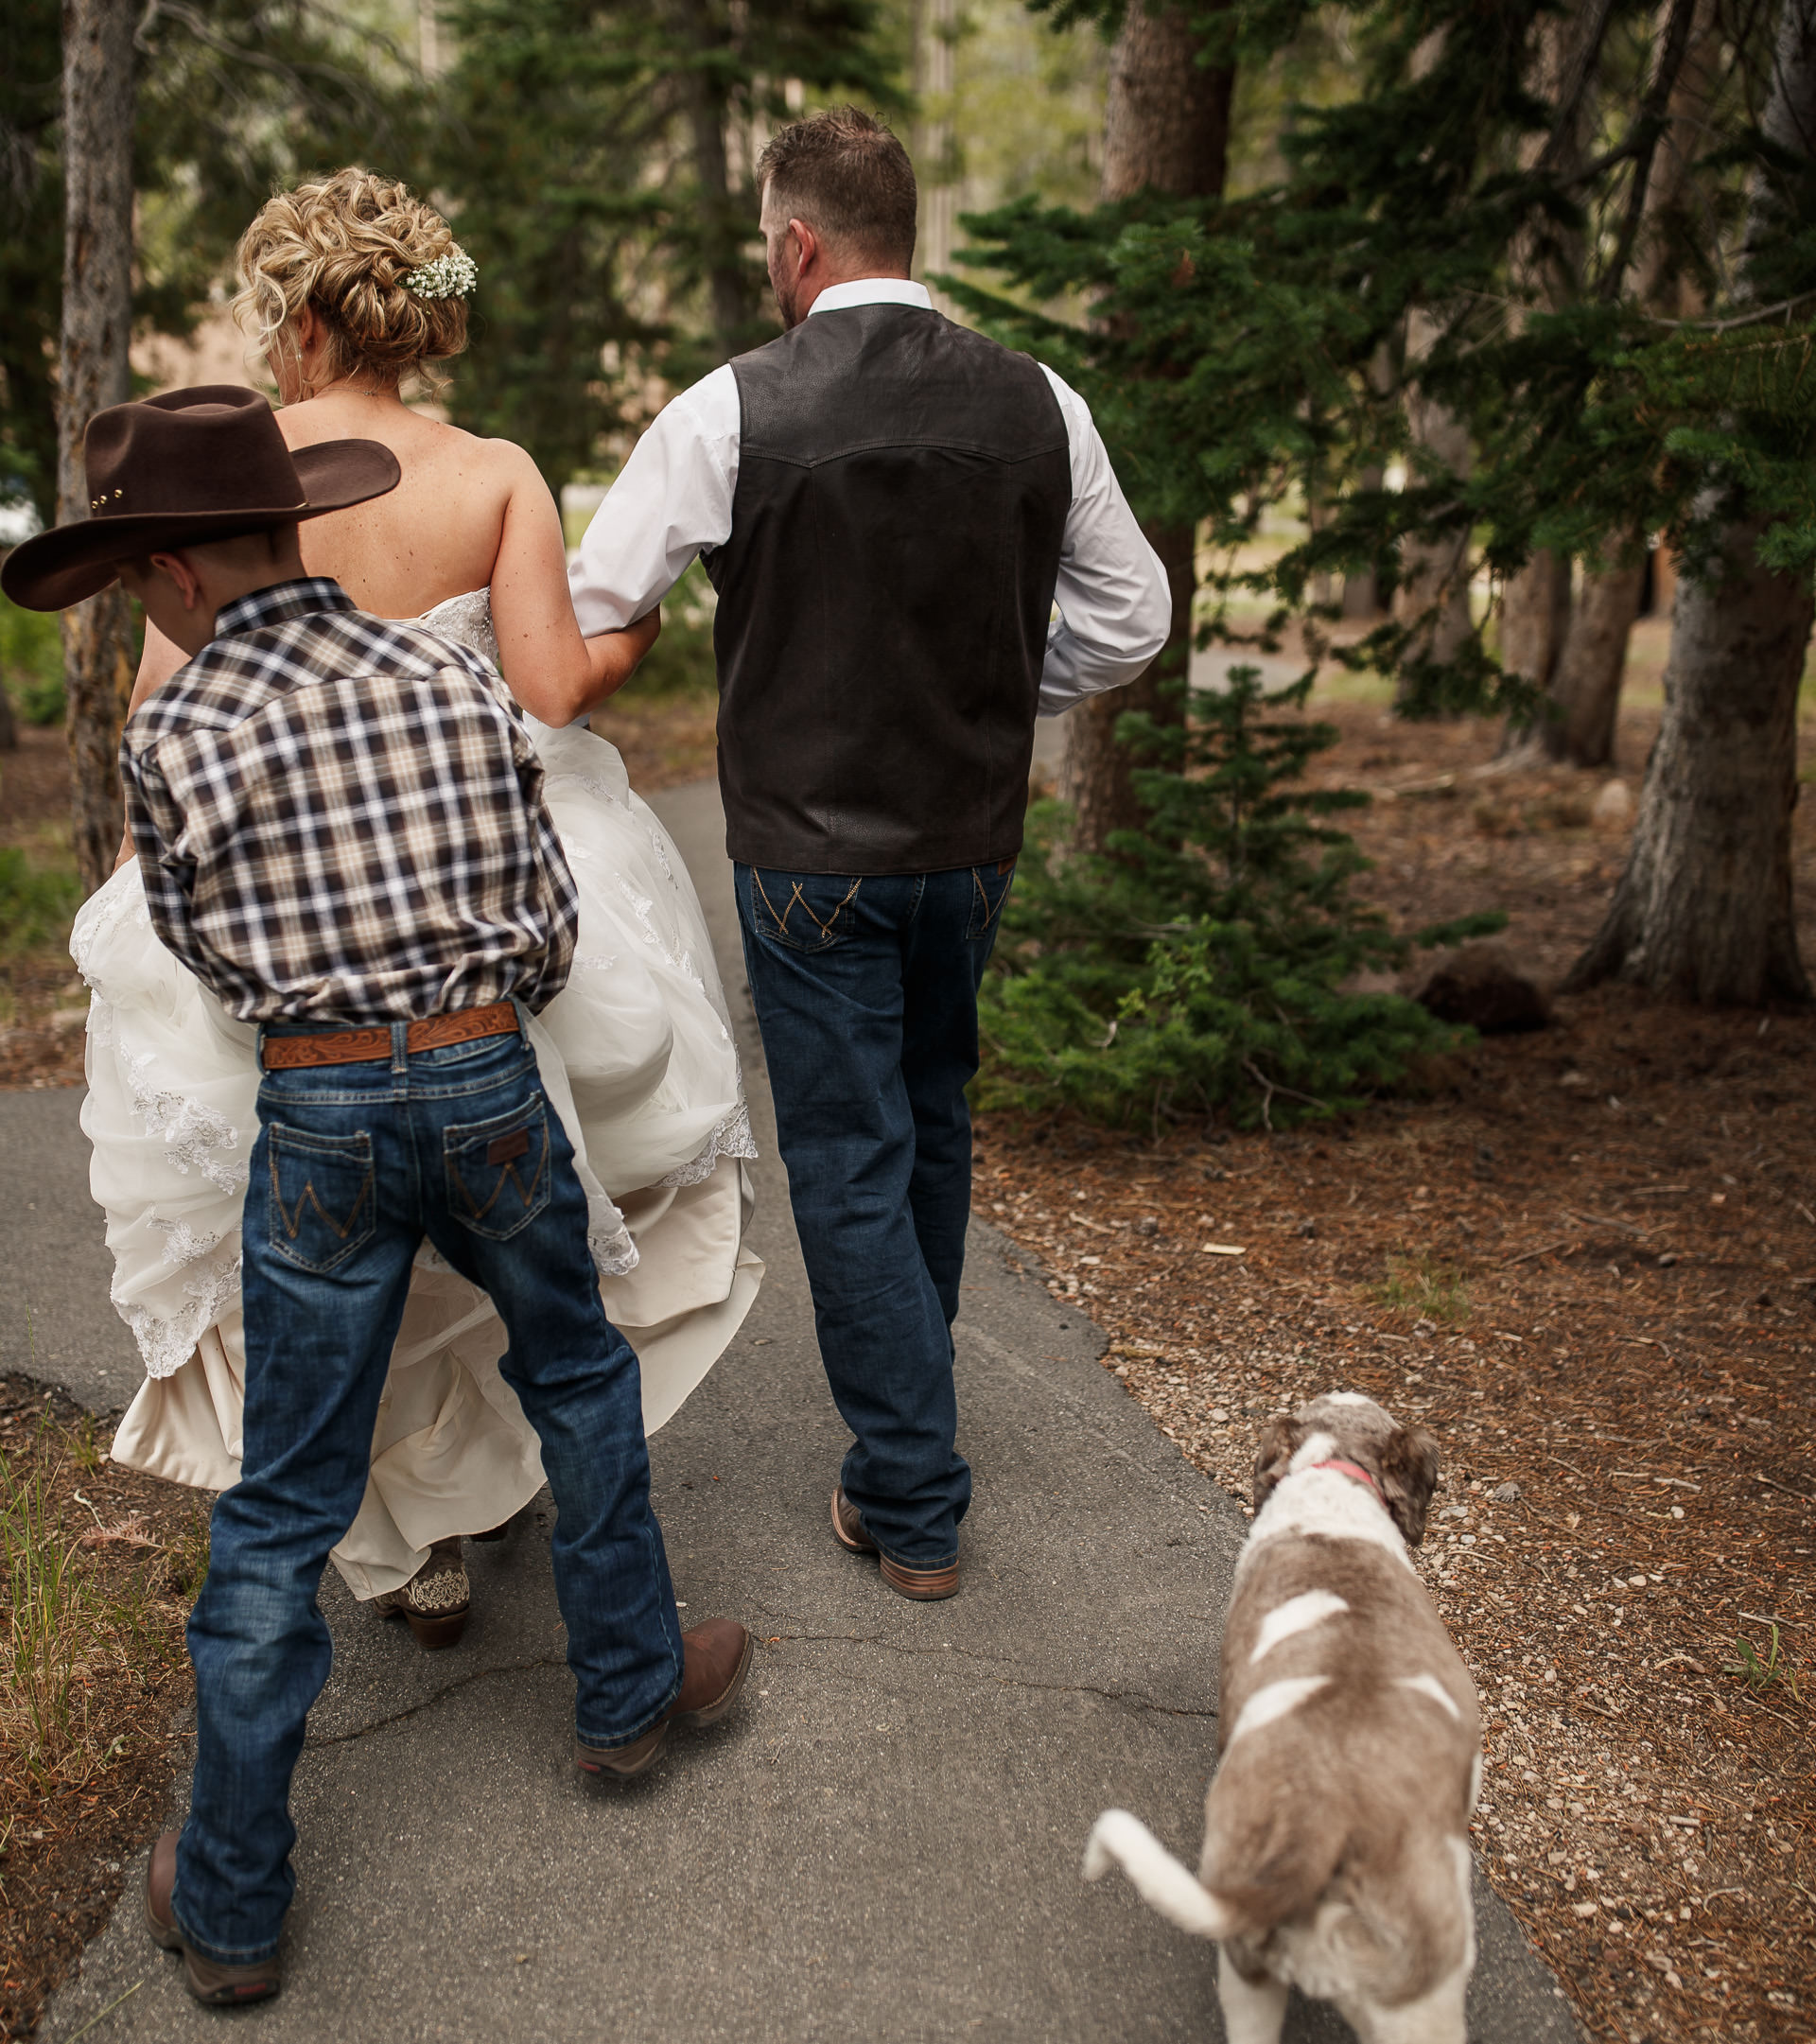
(1163, 1883)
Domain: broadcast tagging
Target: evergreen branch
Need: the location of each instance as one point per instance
(1647, 129)
(1742, 319)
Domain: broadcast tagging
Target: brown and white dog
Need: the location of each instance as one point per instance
(1336, 1828)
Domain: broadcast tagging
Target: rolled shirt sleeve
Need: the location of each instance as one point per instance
(1115, 608)
(672, 501)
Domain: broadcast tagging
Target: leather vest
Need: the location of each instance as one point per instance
(902, 492)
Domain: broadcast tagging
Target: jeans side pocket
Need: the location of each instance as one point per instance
(991, 886)
(322, 1204)
(498, 1170)
(805, 911)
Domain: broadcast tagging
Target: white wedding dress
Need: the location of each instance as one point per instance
(637, 1058)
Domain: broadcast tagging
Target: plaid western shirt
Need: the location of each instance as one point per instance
(340, 817)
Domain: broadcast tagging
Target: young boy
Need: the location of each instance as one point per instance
(340, 829)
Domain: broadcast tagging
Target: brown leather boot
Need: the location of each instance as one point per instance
(924, 1585)
(217, 1985)
(715, 1658)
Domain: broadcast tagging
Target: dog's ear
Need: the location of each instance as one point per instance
(1408, 1477)
(1274, 1452)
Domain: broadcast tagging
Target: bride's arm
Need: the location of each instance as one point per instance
(157, 663)
(552, 672)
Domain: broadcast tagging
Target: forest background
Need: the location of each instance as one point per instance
(1416, 330)
(1436, 341)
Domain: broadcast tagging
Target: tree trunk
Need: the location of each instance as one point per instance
(93, 373)
(1705, 906)
(1166, 129)
(723, 227)
(1584, 683)
(1535, 615)
(1585, 689)
(9, 729)
(1433, 595)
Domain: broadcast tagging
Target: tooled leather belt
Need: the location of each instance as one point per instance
(367, 1046)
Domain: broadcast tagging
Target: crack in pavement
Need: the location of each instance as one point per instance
(429, 1702)
(1136, 1699)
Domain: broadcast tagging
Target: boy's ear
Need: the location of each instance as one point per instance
(175, 568)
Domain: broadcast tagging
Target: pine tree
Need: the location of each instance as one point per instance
(1235, 360)
(1197, 966)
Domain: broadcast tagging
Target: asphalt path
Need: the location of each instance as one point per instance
(883, 1841)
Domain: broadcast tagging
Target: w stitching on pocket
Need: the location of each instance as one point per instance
(496, 1140)
(991, 909)
(827, 929)
(309, 1196)
(506, 1170)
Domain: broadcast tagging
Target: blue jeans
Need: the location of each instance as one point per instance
(353, 1165)
(866, 993)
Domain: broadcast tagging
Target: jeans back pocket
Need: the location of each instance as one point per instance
(808, 911)
(323, 1205)
(498, 1170)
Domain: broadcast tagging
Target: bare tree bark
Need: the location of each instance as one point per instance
(1433, 595)
(1166, 129)
(1584, 681)
(1704, 907)
(1545, 270)
(724, 226)
(93, 373)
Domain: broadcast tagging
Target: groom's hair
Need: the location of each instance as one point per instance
(848, 177)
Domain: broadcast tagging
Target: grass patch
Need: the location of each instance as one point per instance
(98, 1566)
(681, 661)
(38, 903)
(31, 662)
(1761, 1671)
(1428, 1290)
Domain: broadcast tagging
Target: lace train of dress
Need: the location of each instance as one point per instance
(637, 1058)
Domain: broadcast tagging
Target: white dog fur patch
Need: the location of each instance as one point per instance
(1275, 1700)
(1297, 1615)
(1428, 1685)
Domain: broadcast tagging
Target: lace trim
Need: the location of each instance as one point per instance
(190, 1132)
(681, 962)
(166, 1345)
(614, 1252)
(732, 1138)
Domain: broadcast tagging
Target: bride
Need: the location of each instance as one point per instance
(352, 287)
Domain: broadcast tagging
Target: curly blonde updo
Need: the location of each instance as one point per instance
(343, 247)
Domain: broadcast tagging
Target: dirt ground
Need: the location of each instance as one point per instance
(72, 1816)
(1585, 1258)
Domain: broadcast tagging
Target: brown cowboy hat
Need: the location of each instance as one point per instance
(180, 470)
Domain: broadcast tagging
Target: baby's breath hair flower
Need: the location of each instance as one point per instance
(452, 275)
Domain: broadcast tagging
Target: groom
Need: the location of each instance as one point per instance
(889, 506)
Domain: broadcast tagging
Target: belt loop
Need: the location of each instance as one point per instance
(522, 1014)
(259, 1050)
(401, 1046)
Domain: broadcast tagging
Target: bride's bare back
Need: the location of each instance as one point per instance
(442, 531)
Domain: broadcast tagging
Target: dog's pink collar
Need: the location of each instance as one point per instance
(1351, 1469)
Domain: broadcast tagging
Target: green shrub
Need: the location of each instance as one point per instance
(31, 660)
(37, 902)
(1200, 967)
(681, 662)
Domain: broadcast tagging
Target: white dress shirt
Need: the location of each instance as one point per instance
(672, 501)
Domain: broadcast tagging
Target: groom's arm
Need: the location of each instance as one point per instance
(1115, 608)
(670, 503)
